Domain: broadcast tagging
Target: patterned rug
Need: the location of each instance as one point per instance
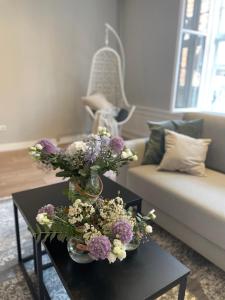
(206, 281)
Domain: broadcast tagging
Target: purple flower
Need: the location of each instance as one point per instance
(123, 231)
(49, 209)
(105, 140)
(99, 247)
(48, 146)
(117, 144)
(93, 150)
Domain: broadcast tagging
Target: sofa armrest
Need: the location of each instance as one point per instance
(137, 145)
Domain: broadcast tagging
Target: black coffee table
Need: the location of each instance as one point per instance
(145, 274)
(28, 202)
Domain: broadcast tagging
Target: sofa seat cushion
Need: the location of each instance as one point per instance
(197, 202)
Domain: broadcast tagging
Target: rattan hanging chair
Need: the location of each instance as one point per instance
(107, 77)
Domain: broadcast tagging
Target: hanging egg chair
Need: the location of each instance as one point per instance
(107, 78)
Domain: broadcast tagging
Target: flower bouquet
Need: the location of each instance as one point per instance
(95, 230)
(83, 161)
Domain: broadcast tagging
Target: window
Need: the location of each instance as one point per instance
(201, 75)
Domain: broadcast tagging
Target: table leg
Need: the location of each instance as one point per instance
(34, 252)
(17, 233)
(139, 207)
(39, 269)
(182, 288)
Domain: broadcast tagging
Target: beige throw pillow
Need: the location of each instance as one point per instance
(97, 101)
(184, 154)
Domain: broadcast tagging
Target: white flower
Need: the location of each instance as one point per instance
(32, 148)
(129, 152)
(75, 147)
(77, 202)
(111, 257)
(124, 155)
(117, 243)
(148, 229)
(116, 250)
(134, 157)
(122, 255)
(103, 131)
(39, 146)
(43, 219)
(152, 214)
(119, 200)
(119, 249)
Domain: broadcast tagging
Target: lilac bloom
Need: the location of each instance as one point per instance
(93, 150)
(117, 144)
(49, 209)
(48, 146)
(123, 231)
(99, 247)
(105, 140)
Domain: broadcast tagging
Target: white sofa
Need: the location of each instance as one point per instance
(189, 207)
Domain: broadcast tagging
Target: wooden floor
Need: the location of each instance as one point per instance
(19, 172)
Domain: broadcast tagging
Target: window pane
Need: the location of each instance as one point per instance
(222, 18)
(191, 61)
(197, 14)
(218, 80)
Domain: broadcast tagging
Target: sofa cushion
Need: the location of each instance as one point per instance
(155, 147)
(197, 202)
(213, 128)
(184, 154)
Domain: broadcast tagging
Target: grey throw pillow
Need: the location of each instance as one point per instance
(155, 147)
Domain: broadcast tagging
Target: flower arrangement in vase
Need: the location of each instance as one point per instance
(83, 161)
(95, 230)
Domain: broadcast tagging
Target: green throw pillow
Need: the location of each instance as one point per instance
(155, 147)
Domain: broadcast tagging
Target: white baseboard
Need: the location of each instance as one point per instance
(137, 126)
(27, 144)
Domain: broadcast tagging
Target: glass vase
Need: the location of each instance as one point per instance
(133, 245)
(74, 247)
(90, 187)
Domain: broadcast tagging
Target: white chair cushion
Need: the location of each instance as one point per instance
(97, 101)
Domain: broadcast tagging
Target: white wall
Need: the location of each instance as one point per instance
(45, 53)
(149, 33)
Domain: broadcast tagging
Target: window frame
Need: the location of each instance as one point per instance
(208, 52)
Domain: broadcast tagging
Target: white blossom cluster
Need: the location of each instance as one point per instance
(113, 210)
(90, 232)
(75, 147)
(79, 211)
(118, 251)
(128, 154)
(42, 218)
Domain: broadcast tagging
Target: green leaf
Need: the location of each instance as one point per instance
(63, 174)
(82, 172)
(38, 228)
(95, 168)
(52, 236)
(46, 237)
(38, 239)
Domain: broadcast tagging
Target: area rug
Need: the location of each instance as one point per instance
(206, 281)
